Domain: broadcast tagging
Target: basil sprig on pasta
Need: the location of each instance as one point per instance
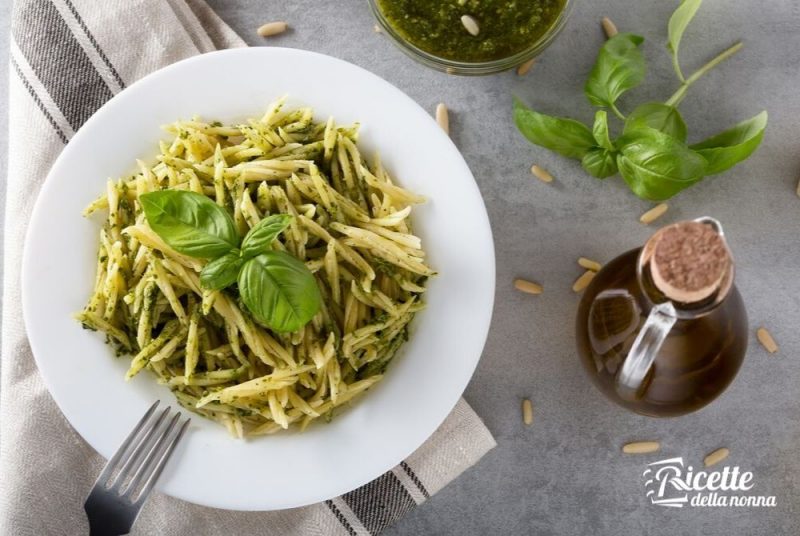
(278, 290)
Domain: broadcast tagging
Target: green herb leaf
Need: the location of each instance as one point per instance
(600, 163)
(726, 149)
(619, 67)
(678, 22)
(657, 166)
(221, 272)
(600, 130)
(279, 291)
(664, 118)
(259, 239)
(190, 223)
(564, 136)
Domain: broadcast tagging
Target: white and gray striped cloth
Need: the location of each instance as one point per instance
(67, 58)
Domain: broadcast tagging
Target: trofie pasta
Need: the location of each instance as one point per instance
(350, 226)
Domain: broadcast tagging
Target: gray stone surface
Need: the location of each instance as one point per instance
(565, 474)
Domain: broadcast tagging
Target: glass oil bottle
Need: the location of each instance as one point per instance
(662, 330)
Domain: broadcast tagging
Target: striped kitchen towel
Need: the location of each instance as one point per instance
(67, 58)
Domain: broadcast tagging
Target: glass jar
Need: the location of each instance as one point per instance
(451, 66)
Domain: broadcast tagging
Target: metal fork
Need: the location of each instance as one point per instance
(129, 476)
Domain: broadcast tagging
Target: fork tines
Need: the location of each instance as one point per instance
(136, 466)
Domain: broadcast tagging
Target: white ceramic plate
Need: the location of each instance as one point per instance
(422, 384)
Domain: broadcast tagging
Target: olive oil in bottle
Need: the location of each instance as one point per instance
(662, 330)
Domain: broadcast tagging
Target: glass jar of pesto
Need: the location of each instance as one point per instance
(472, 36)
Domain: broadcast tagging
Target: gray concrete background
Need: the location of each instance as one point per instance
(565, 474)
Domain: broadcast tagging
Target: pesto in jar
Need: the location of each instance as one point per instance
(506, 27)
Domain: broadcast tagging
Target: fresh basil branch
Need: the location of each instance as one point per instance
(278, 289)
(652, 154)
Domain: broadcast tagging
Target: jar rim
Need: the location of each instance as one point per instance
(473, 68)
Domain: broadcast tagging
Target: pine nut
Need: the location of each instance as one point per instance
(716, 457)
(641, 447)
(609, 27)
(272, 28)
(583, 281)
(443, 117)
(527, 411)
(377, 29)
(766, 340)
(541, 173)
(523, 68)
(654, 213)
(470, 24)
(528, 286)
(589, 264)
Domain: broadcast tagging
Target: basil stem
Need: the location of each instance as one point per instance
(678, 96)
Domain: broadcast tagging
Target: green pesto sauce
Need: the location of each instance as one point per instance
(506, 26)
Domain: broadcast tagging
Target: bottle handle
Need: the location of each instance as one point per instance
(645, 347)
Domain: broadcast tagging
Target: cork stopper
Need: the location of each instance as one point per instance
(689, 261)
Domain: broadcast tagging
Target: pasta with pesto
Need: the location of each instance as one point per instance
(351, 227)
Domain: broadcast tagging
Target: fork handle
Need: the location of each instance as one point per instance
(108, 516)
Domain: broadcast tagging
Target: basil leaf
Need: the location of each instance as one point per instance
(279, 291)
(190, 223)
(600, 163)
(664, 118)
(600, 130)
(618, 68)
(656, 166)
(564, 136)
(678, 22)
(728, 148)
(221, 272)
(259, 239)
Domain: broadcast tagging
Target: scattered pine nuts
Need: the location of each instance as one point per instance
(443, 117)
(470, 24)
(766, 340)
(377, 29)
(523, 68)
(528, 286)
(583, 281)
(654, 213)
(272, 28)
(527, 411)
(589, 264)
(716, 457)
(609, 27)
(641, 447)
(541, 173)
